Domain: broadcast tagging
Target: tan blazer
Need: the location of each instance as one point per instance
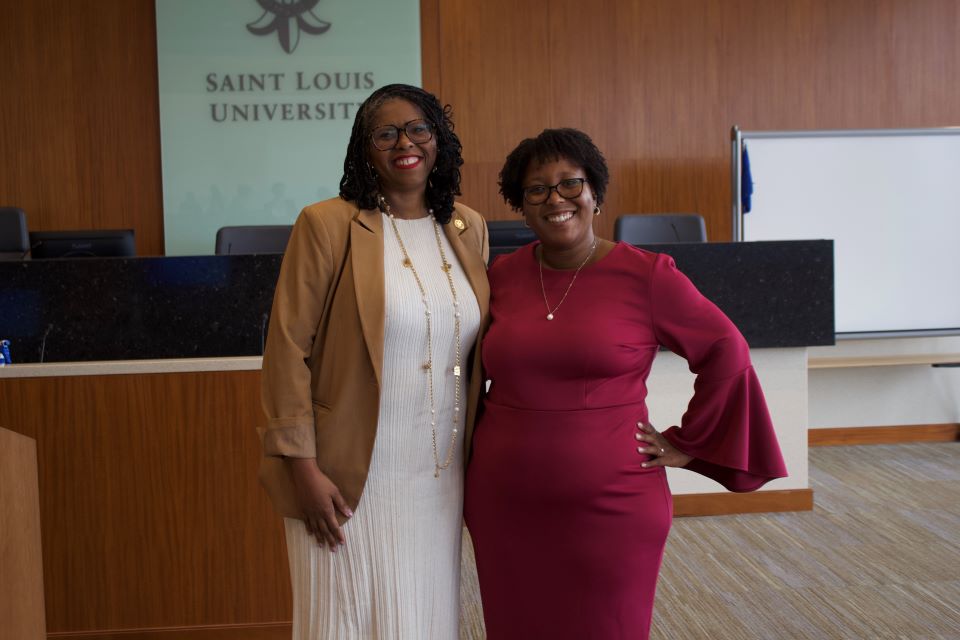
(324, 351)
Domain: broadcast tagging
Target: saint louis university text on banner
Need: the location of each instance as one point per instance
(257, 98)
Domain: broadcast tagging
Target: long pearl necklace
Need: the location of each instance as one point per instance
(428, 366)
(569, 286)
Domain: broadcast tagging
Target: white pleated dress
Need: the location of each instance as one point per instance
(398, 576)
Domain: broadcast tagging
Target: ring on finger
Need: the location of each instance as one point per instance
(662, 451)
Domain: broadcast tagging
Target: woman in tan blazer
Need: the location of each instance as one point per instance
(371, 380)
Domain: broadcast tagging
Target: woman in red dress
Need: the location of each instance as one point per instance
(567, 499)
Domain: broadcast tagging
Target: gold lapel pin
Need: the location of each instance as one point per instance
(458, 223)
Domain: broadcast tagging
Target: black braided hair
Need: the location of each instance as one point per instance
(550, 145)
(359, 183)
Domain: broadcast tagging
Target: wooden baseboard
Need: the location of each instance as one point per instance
(883, 435)
(266, 631)
(722, 504)
(834, 362)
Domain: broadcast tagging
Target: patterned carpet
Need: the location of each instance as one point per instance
(877, 558)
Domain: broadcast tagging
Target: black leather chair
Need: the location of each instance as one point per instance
(650, 228)
(14, 238)
(253, 239)
(507, 236)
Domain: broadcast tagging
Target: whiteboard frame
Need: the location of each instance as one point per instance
(738, 137)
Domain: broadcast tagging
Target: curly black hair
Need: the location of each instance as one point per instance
(359, 183)
(550, 145)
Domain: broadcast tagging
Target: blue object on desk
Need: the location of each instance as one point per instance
(746, 182)
(5, 353)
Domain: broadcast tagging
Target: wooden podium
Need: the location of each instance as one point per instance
(21, 589)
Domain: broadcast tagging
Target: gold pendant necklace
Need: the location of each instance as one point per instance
(569, 286)
(428, 366)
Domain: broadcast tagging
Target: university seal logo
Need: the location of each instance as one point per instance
(288, 18)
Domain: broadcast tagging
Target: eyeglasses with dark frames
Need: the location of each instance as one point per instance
(567, 188)
(387, 136)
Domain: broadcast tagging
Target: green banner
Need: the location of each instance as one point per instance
(257, 99)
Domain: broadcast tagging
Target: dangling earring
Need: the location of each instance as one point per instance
(525, 222)
(596, 211)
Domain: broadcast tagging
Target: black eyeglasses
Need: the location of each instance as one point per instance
(539, 193)
(387, 136)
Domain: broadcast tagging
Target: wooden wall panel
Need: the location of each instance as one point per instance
(152, 514)
(659, 83)
(79, 118)
(486, 73)
(430, 38)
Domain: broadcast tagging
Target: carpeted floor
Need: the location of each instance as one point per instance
(877, 558)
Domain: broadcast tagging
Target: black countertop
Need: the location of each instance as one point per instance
(780, 294)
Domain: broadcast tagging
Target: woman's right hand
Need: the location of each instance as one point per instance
(319, 500)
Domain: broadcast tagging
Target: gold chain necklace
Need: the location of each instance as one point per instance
(569, 286)
(428, 366)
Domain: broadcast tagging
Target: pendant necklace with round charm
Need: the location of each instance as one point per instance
(543, 289)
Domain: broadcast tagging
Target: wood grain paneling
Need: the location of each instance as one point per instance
(657, 83)
(489, 72)
(279, 631)
(430, 39)
(721, 504)
(845, 436)
(153, 522)
(21, 564)
(79, 118)
(151, 510)
(834, 362)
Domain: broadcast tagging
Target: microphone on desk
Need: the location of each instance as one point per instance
(43, 341)
(30, 250)
(263, 332)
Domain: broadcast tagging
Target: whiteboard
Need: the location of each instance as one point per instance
(890, 201)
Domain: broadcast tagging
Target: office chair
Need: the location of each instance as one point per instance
(253, 239)
(660, 228)
(507, 236)
(14, 239)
